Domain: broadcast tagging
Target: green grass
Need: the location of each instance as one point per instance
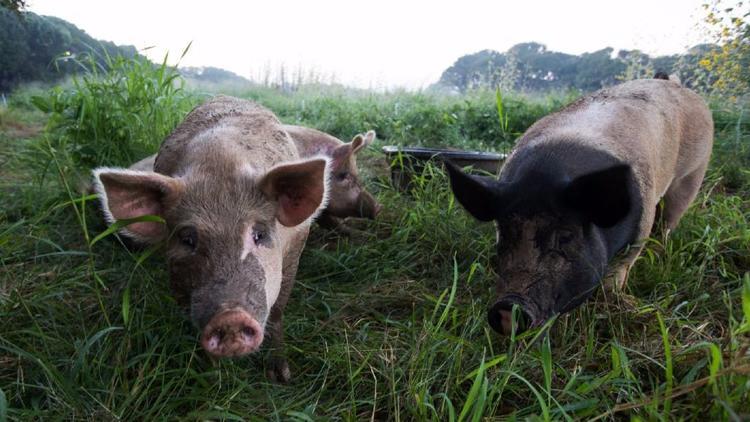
(386, 327)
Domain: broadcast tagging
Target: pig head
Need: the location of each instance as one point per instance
(581, 187)
(347, 198)
(552, 235)
(235, 204)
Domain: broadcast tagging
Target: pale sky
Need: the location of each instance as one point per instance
(376, 44)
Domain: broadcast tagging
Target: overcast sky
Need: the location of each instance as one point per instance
(383, 43)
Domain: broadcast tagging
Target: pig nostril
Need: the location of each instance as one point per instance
(500, 318)
(495, 319)
(248, 332)
(219, 334)
(214, 341)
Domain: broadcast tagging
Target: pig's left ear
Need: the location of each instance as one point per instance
(342, 153)
(602, 197)
(361, 141)
(300, 188)
(479, 195)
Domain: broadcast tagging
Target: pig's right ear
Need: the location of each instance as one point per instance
(126, 194)
(300, 188)
(479, 195)
(602, 197)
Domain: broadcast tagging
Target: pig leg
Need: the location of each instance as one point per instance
(336, 224)
(679, 196)
(625, 263)
(614, 284)
(620, 276)
(278, 368)
(676, 201)
(329, 222)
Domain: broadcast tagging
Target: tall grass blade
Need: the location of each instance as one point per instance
(669, 370)
(3, 407)
(477, 393)
(119, 224)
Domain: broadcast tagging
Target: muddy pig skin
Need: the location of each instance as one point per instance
(347, 197)
(237, 202)
(582, 188)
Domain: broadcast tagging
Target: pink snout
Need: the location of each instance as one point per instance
(232, 333)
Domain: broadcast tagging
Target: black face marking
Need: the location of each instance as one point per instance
(535, 182)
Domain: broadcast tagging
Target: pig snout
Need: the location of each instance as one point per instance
(368, 206)
(500, 315)
(232, 333)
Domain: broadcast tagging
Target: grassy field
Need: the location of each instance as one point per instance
(385, 326)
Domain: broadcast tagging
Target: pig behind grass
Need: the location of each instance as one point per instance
(584, 185)
(238, 203)
(347, 197)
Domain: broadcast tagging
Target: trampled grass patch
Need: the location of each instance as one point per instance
(385, 326)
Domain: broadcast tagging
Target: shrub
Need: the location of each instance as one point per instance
(117, 113)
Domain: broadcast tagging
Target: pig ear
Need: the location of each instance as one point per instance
(603, 196)
(126, 194)
(478, 194)
(361, 141)
(300, 188)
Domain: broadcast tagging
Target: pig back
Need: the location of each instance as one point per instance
(311, 142)
(225, 132)
(661, 129)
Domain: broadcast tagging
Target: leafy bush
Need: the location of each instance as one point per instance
(729, 63)
(731, 153)
(117, 113)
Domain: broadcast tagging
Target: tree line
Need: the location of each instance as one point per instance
(532, 67)
(45, 48)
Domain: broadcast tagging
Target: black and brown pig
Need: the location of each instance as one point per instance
(238, 202)
(582, 186)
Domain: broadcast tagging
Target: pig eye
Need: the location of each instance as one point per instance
(188, 237)
(259, 236)
(342, 175)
